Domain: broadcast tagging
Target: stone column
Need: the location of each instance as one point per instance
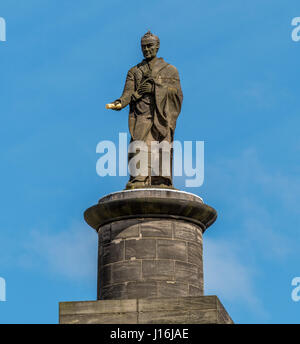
(150, 268)
(150, 243)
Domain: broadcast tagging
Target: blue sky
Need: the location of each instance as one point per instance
(63, 61)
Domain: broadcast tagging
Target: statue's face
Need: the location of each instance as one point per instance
(149, 50)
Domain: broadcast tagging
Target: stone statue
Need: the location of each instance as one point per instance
(153, 93)
(150, 240)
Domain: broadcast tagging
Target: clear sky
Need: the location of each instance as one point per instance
(239, 68)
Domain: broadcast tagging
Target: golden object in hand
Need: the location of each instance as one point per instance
(113, 106)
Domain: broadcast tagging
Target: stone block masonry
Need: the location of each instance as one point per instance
(185, 310)
(150, 267)
(149, 257)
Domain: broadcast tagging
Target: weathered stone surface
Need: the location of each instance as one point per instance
(113, 292)
(95, 307)
(209, 316)
(158, 269)
(171, 249)
(124, 262)
(179, 303)
(126, 271)
(115, 318)
(223, 316)
(105, 276)
(104, 234)
(195, 291)
(153, 192)
(140, 249)
(141, 289)
(168, 317)
(147, 246)
(125, 229)
(200, 275)
(150, 258)
(172, 289)
(199, 235)
(112, 253)
(156, 228)
(179, 310)
(185, 231)
(194, 253)
(146, 202)
(187, 273)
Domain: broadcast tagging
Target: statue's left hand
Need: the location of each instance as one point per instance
(145, 88)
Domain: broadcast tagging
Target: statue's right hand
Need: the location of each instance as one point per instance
(116, 105)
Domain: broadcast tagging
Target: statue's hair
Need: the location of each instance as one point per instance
(148, 36)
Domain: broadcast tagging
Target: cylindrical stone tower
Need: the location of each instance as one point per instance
(150, 243)
(150, 268)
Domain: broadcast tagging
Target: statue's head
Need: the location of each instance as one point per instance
(150, 45)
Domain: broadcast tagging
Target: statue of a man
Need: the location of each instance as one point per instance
(153, 92)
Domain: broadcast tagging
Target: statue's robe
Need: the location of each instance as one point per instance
(152, 117)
